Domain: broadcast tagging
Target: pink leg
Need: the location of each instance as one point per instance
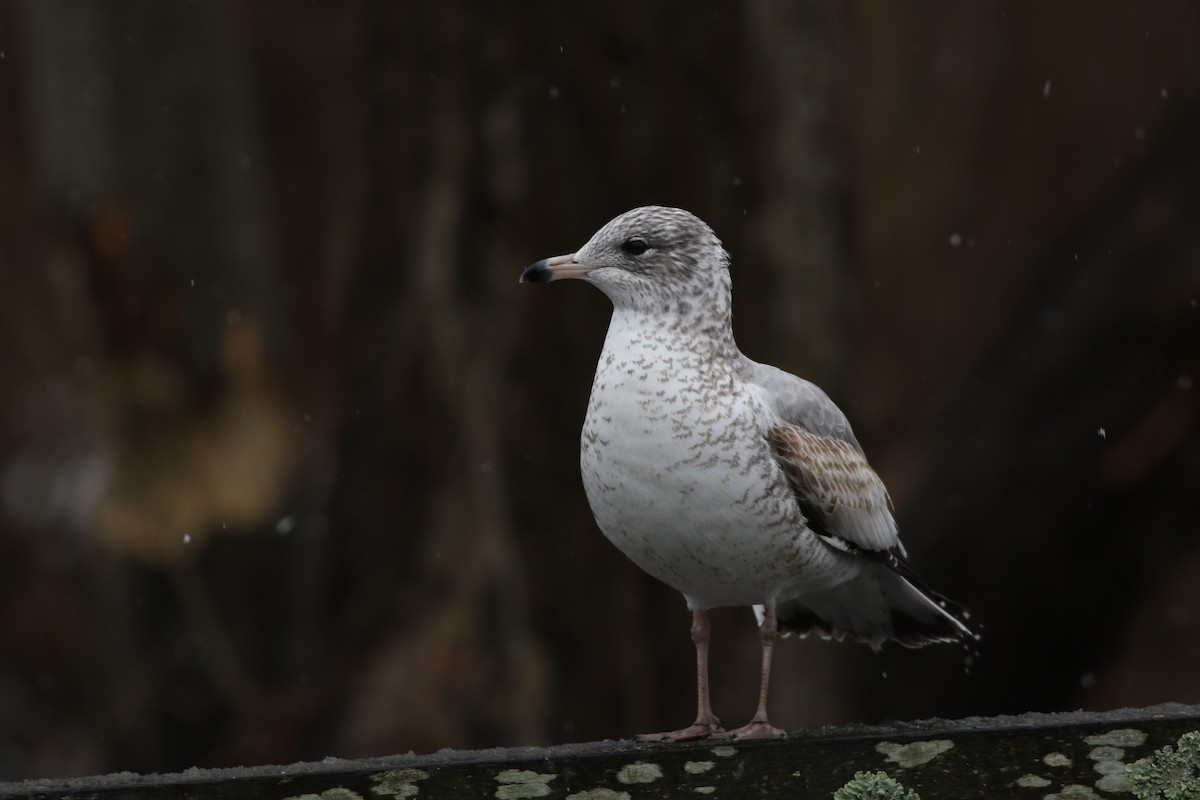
(706, 723)
(759, 727)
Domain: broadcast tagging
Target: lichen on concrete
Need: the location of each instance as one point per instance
(521, 783)
(1031, 781)
(639, 772)
(336, 793)
(1074, 792)
(398, 783)
(697, 767)
(1169, 773)
(1114, 784)
(915, 754)
(1121, 737)
(599, 794)
(724, 751)
(1106, 753)
(874, 786)
(1056, 760)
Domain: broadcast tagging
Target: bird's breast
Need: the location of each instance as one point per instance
(679, 474)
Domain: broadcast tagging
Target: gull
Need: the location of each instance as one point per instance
(734, 482)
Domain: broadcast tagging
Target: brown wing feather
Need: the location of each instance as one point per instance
(835, 487)
(846, 504)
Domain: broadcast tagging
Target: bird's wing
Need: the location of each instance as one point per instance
(801, 402)
(847, 506)
(842, 498)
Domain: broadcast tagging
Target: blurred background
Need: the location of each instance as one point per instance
(288, 460)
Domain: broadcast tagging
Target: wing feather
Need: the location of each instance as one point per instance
(837, 489)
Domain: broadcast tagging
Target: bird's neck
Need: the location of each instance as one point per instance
(706, 335)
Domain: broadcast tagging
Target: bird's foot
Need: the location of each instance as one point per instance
(700, 729)
(756, 729)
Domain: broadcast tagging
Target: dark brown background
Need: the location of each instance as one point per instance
(288, 460)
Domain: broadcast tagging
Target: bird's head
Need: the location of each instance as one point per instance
(652, 259)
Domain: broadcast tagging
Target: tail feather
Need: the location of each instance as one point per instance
(880, 605)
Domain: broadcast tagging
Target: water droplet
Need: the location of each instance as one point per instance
(955, 239)
(1046, 88)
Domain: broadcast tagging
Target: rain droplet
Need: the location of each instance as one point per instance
(955, 239)
(1046, 88)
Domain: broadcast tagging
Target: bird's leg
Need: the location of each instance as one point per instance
(759, 727)
(706, 723)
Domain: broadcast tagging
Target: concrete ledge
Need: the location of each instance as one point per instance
(1043, 756)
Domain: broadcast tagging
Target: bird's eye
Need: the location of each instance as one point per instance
(635, 246)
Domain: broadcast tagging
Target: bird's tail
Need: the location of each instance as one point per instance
(882, 605)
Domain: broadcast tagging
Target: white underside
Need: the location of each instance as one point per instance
(680, 477)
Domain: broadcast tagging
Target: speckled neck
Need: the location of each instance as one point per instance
(696, 311)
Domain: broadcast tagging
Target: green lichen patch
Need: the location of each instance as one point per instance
(1121, 737)
(1106, 753)
(336, 793)
(1074, 792)
(1114, 784)
(704, 789)
(639, 772)
(1056, 760)
(915, 754)
(521, 783)
(599, 794)
(697, 767)
(1110, 763)
(1170, 773)
(1031, 781)
(398, 782)
(724, 751)
(1110, 766)
(874, 786)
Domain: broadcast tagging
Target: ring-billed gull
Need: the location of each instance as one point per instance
(734, 482)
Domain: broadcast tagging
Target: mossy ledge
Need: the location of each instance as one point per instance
(1032, 755)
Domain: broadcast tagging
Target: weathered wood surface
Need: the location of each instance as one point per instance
(1044, 756)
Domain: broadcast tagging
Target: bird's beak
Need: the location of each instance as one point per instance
(553, 269)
